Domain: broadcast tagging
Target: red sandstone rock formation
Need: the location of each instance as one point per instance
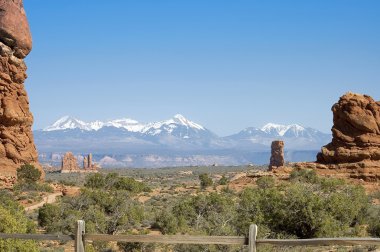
(356, 131)
(87, 162)
(17, 145)
(354, 151)
(69, 163)
(14, 27)
(277, 155)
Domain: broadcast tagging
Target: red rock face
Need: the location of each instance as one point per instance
(277, 155)
(356, 131)
(14, 27)
(16, 139)
(69, 163)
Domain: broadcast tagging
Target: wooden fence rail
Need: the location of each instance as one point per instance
(80, 237)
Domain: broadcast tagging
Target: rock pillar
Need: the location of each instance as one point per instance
(277, 155)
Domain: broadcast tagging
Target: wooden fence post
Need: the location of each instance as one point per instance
(79, 238)
(252, 238)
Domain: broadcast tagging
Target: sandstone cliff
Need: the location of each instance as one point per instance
(16, 146)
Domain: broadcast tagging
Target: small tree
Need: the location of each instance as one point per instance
(28, 173)
(49, 216)
(223, 180)
(206, 181)
(95, 181)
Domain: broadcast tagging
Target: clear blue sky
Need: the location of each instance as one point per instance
(224, 64)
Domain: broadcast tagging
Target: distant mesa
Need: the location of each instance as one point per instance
(16, 138)
(355, 148)
(70, 164)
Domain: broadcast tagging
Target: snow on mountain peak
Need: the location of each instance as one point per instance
(280, 130)
(182, 120)
(68, 122)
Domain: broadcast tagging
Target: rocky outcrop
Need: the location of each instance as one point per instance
(88, 164)
(87, 161)
(354, 151)
(356, 131)
(16, 139)
(69, 163)
(277, 155)
(14, 27)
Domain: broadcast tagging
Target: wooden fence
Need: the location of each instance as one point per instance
(80, 237)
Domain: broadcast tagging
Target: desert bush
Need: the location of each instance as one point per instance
(304, 175)
(205, 180)
(13, 220)
(48, 215)
(166, 222)
(105, 212)
(373, 220)
(113, 181)
(32, 187)
(223, 180)
(95, 181)
(136, 247)
(27, 173)
(265, 182)
(212, 214)
(303, 210)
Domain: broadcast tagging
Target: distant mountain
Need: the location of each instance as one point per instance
(296, 137)
(176, 141)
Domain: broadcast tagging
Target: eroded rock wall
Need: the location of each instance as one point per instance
(16, 139)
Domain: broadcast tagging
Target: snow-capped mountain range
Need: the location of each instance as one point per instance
(171, 139)
(168, 126)
(154, 128)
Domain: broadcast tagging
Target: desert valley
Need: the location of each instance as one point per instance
(176, 185)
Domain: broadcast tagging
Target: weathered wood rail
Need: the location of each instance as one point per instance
(80, 237)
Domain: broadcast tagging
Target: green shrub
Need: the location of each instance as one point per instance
(304, 175)
(105, 212)
(32, 187)
(13, 220)
(113, 181)
(223, 180)
(265, 182)
(48, 215)
(303, 210)
(205, 180)
(373, 220)
(27, 173)
(95, 181)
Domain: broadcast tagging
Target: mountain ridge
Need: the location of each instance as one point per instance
(69, 122)
(176, 141)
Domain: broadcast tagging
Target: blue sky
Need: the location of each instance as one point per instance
(224, 64)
